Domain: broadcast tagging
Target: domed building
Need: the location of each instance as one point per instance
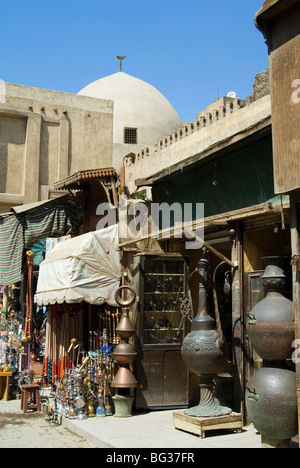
(142, 115)
(60, 134)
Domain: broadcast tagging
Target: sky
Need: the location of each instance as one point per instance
(192, 51)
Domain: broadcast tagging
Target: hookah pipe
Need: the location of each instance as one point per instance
(115, 316)
(108, 325)
(80, 401)
(84, 363)
(78, 353)
(72, 346)
(104, 390)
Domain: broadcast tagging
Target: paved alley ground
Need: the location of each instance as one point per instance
(30, 430)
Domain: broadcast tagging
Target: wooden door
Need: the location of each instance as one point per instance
(163, 379)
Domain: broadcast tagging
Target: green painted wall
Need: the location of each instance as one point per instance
(244, 175)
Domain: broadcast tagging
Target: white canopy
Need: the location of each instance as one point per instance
(84, 268)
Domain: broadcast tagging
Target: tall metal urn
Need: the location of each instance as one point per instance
(271, 394)
(270, 324)
(204, 351)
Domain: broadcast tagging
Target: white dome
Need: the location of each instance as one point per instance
(138, 105)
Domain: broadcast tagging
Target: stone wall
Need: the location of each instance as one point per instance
(261, 86)
(220, 122)
(46, 136)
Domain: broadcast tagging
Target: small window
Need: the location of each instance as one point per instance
(130, 136)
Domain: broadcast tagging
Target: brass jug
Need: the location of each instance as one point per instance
(204, 351)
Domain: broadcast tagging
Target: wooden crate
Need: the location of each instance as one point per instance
(199, 426)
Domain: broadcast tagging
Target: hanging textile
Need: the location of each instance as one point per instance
(53, 219)
(11, 250)
(26, 225)
(64, 322)
(39, 250)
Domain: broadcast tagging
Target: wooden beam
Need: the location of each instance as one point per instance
(201, 242)
(114, 192)
(219, 254)
(238, 336)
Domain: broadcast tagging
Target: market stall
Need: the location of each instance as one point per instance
(20, 320)
(77, 283)
(84, 269)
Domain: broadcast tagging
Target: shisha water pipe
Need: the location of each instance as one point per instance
(72, 348)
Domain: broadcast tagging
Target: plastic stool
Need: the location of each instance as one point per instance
(35, 390)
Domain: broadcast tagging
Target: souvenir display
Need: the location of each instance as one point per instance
(50, 346)
(83, 390)
(11, 349)
(76, 371)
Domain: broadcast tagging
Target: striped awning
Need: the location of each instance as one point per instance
(28, 224)
(11, 249)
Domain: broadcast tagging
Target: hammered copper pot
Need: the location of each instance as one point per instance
(124, 379)
(271, 328)
(125, 353)
(270, 323)
(271, 400)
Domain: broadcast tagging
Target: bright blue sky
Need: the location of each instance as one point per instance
(192, 51)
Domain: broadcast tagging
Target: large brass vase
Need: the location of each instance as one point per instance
(204, 352)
